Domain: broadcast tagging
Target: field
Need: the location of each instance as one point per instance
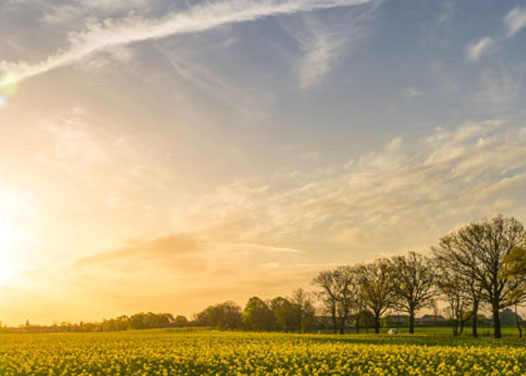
(173, 352)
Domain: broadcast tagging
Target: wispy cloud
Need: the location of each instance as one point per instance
(499, 90)
(475, 49)
(321, 52)
(400, 197)
(245, 102)
(371, 201)
(324, 43)
(108, 34)
(411, 92)
(515, 20)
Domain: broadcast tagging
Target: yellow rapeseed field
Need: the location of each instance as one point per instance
(166, 353)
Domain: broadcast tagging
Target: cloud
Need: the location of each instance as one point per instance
(475, 49)
(272, 234)
(114, 5)
(160, 250)
(411, 92)
(262, 247)
(242, 101)
(322, 51)
(499, 89)
(323, 44)
(286, 228)
(514, 21)
(383, 200)
(109, 34)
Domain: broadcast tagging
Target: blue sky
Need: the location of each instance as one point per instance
(178, 141)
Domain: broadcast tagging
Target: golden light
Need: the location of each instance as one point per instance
(9, 84)
(8, 241)
(11, 234)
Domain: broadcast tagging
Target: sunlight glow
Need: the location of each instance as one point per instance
(8, 240)
(8, 87)
(12, 235)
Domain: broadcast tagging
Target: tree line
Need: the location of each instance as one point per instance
(295, 314)
(477, 267)
(137, 321)
(480, 264)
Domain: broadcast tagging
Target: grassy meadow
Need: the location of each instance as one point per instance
(205, 352)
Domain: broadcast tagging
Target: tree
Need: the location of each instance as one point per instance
(456, 254)
(484, 250)
(515, 269)
(376, 291)
(225, 316)
(338, 288)
(328, 295)
(451, 286)
(257, 316)
(284, 314)
(180, 321)
(150, 320)
(515, 263)
(413, 283)
(304, 310)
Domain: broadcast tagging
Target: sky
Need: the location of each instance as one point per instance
(164, 155)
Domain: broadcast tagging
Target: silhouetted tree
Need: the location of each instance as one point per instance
(481, 248)
(452, 287)
(304, 311)
(284, 314)
(225, 316)
(338, 289)
(413, 282)
(257, 316)
(180, 321)
(376, 290)
(455, 254)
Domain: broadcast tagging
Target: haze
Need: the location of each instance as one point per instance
(166, 155)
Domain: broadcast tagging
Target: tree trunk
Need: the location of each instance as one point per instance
(411, 321)
(377, 323)
(342, 325)
(334, 321)
(518, 322)
(474, 314)
(496, 321)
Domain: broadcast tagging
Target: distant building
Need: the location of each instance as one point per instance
(394, 320)
(431, 319)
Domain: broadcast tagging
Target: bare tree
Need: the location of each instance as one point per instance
(481, 250)
(456, 254)
(452, 287)
(338, 291)
(376, 288)
(329, 294)
(413, 283)
(346, 277)
(303, 309)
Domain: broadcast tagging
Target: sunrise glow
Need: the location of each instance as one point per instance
(167, 155)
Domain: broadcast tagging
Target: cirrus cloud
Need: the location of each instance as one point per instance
(105, 35)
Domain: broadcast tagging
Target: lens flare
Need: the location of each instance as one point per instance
(9, 84)
(3, 102)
